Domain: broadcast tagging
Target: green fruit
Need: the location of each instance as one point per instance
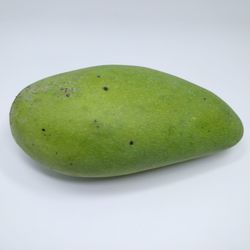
(115, 120)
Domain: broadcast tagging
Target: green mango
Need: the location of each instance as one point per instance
(115, 120)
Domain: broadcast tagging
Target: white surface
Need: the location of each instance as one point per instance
(201, 204)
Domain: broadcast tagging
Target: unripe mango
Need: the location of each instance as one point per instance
(114, 120)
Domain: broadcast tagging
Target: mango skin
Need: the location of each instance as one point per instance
(115, 120)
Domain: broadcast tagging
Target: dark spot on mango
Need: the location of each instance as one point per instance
(105, 88)
(131, 142)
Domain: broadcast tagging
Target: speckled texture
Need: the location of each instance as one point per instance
(114, 120)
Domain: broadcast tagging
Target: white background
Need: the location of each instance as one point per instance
(202, 204)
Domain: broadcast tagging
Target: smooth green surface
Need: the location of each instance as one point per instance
(114, 120)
